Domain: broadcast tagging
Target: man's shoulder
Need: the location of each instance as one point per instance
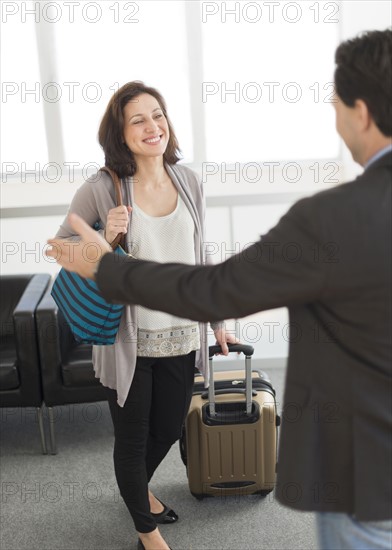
(341, 191)
(373, 176)
(338, 194)
(369, 191)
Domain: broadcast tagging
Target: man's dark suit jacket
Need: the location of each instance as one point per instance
(329, 261)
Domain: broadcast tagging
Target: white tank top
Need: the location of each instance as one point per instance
(164, 239)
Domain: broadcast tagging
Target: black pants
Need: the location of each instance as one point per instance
(147, 426)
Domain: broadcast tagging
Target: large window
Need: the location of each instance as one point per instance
(268, 80)
(133, 41)
(244, 82)
(23, 138)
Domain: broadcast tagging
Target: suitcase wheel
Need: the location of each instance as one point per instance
(264, 492)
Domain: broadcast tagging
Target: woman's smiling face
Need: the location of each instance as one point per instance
(145, 127)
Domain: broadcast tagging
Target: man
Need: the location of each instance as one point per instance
(329, 261)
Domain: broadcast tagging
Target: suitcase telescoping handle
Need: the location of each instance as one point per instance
(239, 348)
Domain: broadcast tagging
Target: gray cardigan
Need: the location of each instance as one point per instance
(115, 365)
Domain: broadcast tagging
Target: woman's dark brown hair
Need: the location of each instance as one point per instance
(118, 156)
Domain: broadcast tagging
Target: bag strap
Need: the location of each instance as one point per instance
(120, 239)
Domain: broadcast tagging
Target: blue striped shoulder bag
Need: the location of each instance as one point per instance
(91, 319)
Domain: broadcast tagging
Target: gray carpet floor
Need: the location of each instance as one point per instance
(70, 501)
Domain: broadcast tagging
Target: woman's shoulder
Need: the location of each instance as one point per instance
(99, 184)
(186, 172)
(100, 178)
(188, 177)
(97, 191)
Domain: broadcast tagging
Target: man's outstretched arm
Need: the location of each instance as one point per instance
(279, 270)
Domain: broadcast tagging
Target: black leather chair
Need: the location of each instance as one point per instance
(67, 370)
(20, 376)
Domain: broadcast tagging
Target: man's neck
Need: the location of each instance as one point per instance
(374, 147)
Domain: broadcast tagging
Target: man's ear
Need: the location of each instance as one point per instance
(364, 117)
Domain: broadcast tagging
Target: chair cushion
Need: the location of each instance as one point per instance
(77, 367)
(9, 378)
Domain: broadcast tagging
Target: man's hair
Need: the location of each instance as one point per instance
(118, 156)
(364, 71)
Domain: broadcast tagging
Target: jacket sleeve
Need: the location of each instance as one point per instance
(281, 269)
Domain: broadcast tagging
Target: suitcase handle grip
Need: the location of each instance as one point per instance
(228, 390)
(248, 351)
(240, 348)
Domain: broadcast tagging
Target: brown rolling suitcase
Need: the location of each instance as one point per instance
(229, 439)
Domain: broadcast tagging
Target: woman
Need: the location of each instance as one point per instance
(149, 371)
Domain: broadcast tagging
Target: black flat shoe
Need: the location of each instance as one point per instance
(166, 516)
(140, 545)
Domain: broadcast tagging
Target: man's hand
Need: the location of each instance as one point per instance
(81, 256)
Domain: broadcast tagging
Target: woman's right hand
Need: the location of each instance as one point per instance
(117, 222)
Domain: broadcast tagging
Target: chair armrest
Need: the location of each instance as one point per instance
(52, 339)
(26, 339)
(48, 329)
(32, 295)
